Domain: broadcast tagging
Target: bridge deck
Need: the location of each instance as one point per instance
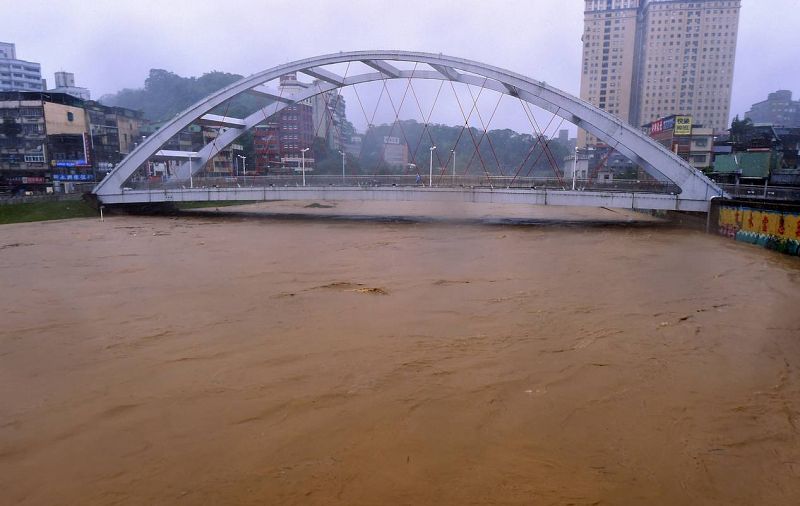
(612, 199)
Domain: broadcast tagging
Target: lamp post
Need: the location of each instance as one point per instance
(454, 165)
(342, 153)
(191, 181)
(574, 168)
(430, 169)
(244, 166)
(303, 154)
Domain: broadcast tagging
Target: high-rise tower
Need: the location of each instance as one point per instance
(647, 59)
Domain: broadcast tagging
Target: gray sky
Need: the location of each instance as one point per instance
(112, 44)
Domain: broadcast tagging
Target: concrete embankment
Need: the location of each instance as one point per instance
(771, 225)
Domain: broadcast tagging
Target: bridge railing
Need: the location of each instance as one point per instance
(380, 180)
(763, 192)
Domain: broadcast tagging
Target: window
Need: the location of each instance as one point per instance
(31, 112)
(34, 158)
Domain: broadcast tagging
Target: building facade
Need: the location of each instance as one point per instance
(329, 118)
(189, 140)
(279, 145)
(778, 109)
(267, 149)
(65, 83)
(648, 59)
(609, 47)
(113, 133)
(285, 143)
(52, 137)
(18, 75)
(394, 153)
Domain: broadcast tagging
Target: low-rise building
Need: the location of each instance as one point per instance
(353, 145)
(759, 154)
(65, 83)
(189, 140)
(579, 167)
(693, 143)
(394, 153)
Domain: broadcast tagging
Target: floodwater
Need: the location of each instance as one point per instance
(266, 360)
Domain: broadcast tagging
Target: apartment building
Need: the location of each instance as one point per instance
(18, 75)
(284, 144)
(648, 59)
(47, 137)
(777, 109)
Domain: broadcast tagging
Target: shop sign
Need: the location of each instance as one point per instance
(73, 177)
(69, 163)
(683, 125)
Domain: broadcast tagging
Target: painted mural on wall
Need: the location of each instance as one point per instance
(769, 228)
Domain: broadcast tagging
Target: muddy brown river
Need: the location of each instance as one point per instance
(479, 357)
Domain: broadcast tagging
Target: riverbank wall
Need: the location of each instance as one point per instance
(771, 225)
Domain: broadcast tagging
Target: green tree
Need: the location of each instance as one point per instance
(166, 94)
(501, 152)
(741, 129)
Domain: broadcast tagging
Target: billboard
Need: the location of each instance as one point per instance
(679, 125)
(662, 125)
(683, 125)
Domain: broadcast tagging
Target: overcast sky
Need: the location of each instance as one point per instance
(112, 44)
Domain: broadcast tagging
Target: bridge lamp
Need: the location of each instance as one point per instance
(574, 167)
(430, 169)
(303, 154)
(454, 165)
(342, 153)
(244, 164)
(191, 170)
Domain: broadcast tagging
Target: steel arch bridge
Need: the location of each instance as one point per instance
(696, 191)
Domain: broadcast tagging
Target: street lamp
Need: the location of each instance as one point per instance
(574, 168)
(454, 165)
(342, 153)
(303, 154)
(430, 169)
(244, 164)
(191, 181)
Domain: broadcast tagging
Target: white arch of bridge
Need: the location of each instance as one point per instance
(629, 141)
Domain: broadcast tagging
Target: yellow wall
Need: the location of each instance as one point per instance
(127, 127)
(765, 222)
(57, 122)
